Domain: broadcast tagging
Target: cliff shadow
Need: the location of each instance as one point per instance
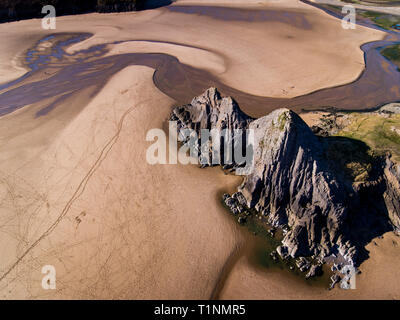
(360, 172)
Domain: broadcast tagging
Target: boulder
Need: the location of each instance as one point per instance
(334, 280)
(315, 270)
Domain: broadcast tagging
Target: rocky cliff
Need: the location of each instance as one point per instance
(297, 186)
(211, 111)
(392, 191)
(291, 185)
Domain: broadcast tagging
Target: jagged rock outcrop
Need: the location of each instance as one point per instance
(211, 111)
(292, 183)
(392, 192)
(391, 108)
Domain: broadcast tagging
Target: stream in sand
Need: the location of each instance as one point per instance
(63, 74)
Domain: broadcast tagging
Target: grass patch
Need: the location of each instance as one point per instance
(380, 133)
(283, 117)
(350, 156)
(385, 21)
(393, 54)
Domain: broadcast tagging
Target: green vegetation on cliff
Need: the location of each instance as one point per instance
(350, 156)
(393, 54)
(383, 20)
(380, 132)
(354, 142)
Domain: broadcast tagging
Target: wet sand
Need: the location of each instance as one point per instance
(76, 191)
(268, 53)
(379, 279)
(183, 71)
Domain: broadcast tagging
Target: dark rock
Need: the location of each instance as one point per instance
(274, 255)
(227, 166)
(319, 131)
(240, 198)
(271, 232)
(303, 264)
(230, 202)
(233, 203)
(334, 280)
(242, 220)
(283, 252)
(225, 196)
(315, 270)
(337, 267)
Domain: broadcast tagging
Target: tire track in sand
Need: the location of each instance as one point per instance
(78, 192)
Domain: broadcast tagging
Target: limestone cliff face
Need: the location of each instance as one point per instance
(210, 111)
(290, 184)
(293, 184)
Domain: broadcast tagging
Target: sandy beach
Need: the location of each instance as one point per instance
(76, 191)
(112, 225)
(378, 279)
